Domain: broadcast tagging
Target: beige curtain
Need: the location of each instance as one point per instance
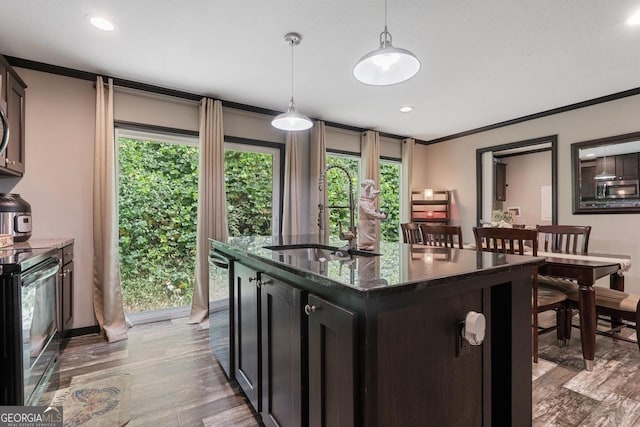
(212, 204)
(370, 169)
(107, 293)
(318, 161)
(406, 185)
(291, 220)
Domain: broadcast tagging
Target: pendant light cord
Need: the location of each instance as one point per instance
(385, 15)
(291, 44)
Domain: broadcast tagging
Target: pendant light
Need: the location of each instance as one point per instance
(386, 65)
(292, 120)
(604, 175)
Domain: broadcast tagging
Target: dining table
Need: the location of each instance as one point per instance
(585, 269)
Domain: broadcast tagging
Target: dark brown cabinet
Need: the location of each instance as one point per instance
(588, 180)
(606, 164)
(622, 167)
(12, 159)
(627, 166)
(247, 332)
(331, 364)
(66, 290)
(500, 181)
(283, 338)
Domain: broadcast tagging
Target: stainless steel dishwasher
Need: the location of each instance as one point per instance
(221, 310)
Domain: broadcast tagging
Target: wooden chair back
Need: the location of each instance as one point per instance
(411, 232)
(505, 240)
(441, 235)
(566, 238)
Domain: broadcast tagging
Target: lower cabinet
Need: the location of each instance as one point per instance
(331, 364)
(65, 301)
(283, 335)
(294, 352)
(247, 332)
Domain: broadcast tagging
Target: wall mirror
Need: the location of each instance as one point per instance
(605, 175)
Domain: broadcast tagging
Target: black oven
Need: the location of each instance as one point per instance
(29, 339)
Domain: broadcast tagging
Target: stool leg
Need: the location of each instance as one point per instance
(567, 326)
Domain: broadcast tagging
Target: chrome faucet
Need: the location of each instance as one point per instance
(350, 234)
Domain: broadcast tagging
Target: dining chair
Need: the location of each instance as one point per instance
(514, 241)
(569, 239)
(618, 305)
(411, 232)
(441, 235)
(566, 238)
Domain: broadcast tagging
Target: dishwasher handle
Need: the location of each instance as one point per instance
(218, 260)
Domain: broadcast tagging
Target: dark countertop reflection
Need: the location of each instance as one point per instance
(398, 265)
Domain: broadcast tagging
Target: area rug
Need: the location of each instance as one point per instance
(103, 402)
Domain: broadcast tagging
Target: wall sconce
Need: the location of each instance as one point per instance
(428, 194)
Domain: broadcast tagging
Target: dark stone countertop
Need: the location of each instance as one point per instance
(399, 268)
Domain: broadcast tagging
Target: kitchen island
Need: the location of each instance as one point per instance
(327, 337)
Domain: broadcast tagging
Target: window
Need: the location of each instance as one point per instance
(337, 187)
(390, 199)
(338, 194)
(252, 180)
(158, 204)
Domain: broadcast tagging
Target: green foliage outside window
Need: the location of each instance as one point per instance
(337, 187)
(249, 183)
(390, 201)
(158, 191)
(338, 194)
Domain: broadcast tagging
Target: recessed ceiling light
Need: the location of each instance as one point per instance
(634, 19)
(101, 23)
(406, 109)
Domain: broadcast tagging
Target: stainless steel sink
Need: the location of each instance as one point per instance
(315, 252)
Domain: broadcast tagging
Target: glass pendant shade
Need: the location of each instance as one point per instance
(386, 65)
(291, 120)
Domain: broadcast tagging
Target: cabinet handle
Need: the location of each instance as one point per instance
(310, 309)
(266, 282)
(254, 279)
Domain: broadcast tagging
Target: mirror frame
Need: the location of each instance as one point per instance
(575, 176)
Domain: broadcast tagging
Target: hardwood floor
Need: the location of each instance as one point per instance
(566, 395)
(176, 381)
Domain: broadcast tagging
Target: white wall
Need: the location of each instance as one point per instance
(526, 174)
(58, 181)
(451, 164)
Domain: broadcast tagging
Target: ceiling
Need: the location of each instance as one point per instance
(483, 62)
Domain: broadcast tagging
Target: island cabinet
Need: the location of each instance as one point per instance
(270, 339)
(317, 346)
(332, 335)
(247, 332)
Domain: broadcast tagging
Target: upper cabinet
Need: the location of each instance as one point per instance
(12, 88)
